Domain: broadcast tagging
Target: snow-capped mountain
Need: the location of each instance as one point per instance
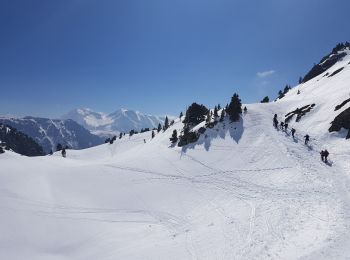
(49, 132)
(242, 190)
(122, 120)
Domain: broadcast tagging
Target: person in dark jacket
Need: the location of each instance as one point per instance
(322, 155)
(64, 153)
(326, 153)
(293, 132)
(282, 125)
(275, 121)
(307, 139)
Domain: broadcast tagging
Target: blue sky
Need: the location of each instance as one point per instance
(158, 56)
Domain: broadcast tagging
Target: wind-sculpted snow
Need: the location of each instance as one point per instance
(245, 191)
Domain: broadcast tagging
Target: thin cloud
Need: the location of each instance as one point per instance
(265, 74)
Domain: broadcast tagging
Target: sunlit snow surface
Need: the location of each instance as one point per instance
(246, 191)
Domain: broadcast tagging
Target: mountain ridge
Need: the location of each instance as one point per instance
(49, 132)
(121, 120)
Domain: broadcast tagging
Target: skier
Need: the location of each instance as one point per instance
(307, 139)
(282, 125)
(326, 153)
(64, 152)
(275, 121)
(293, 132)
(322, 155)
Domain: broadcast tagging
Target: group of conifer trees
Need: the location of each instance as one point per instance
(197, 113)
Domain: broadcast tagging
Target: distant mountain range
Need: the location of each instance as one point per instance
(18, 142)
(122, 120)
(49, 132)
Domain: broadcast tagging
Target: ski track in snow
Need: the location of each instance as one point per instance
(263, 197)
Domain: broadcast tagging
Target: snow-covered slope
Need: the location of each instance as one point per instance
(122, 120)
(245, 190)
(326, 92)
(49, 132)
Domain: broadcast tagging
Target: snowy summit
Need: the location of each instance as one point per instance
(122, 120)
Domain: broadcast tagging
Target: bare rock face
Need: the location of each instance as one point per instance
(341, 121)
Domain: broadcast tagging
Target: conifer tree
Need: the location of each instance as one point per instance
(219, 107)
(159, 127)
(208, 118)
(120, 135)
(280, 94)
(234, 109)
(195, 114)
(166, 123)
(222, 116)
(173, 137)
(216, 112)
(153, 134)
(265, 100)
(181, 115)
(286, 89)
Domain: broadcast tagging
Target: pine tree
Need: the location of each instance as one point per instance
(181, 115)
(159, 127)
(265, 100)
(286, 89)
(195, 114)
(280, 94)
(216, 112)
(300, 80)
(234, 109)
(166, 123)
(153, 134)
(245, 109)
(219, 107)
(222, 116)
(208, 118)
(173, 137)
(120, 135)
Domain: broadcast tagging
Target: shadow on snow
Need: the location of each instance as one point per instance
(221, 130)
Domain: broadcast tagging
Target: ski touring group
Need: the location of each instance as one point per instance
(284, 127)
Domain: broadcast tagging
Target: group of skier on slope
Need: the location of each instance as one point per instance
(284, 126)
